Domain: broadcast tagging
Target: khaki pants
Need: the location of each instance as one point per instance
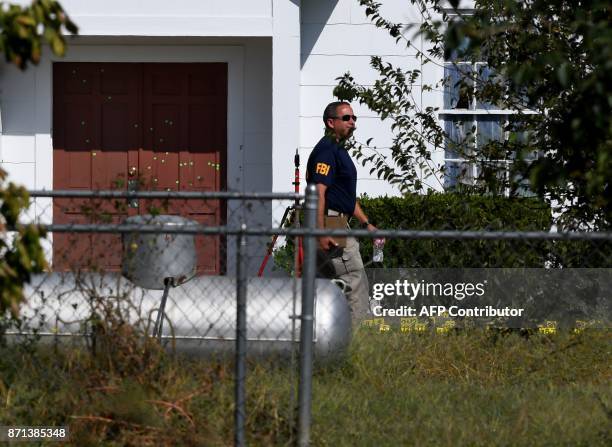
(349, 268)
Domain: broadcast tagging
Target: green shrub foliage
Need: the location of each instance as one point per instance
(20, 251)
(452, 212)
(457, 212)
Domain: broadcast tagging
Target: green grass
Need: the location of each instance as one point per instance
(465, 388)
(469, 388)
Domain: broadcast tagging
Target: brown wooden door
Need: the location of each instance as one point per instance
(185, 140)
(160, 125)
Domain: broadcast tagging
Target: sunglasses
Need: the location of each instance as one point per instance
(345, 117)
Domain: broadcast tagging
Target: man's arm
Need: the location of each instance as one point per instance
(325, 242)
(361, 216)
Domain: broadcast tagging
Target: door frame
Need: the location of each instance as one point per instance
(232, 55)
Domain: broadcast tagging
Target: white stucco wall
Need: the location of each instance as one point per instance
(338, 37)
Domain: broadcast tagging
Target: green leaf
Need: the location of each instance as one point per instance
(562, 74)
(57, 45)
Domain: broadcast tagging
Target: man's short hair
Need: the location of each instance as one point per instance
(331, 109)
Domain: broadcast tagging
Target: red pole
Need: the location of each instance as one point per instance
(296, 189)
(296, 207)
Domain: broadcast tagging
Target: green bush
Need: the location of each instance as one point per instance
(451, 211)
(458, 212)
(582, 254)
(464, 212)
(21, 254)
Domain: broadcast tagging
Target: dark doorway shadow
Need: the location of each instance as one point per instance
(316, 13)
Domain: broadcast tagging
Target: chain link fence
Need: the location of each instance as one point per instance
(214, 275)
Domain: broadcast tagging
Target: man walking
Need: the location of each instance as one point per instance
(332, 170)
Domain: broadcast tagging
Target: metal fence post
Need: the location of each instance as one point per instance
(306, 328)
(241, 339)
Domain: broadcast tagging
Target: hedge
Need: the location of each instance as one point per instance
(450, 211)
(453, 211)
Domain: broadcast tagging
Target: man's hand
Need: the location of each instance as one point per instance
(371, 227)
(327, 242)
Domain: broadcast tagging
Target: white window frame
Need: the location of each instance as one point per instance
(472, 113)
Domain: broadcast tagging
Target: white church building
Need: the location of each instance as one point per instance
(196, 95)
